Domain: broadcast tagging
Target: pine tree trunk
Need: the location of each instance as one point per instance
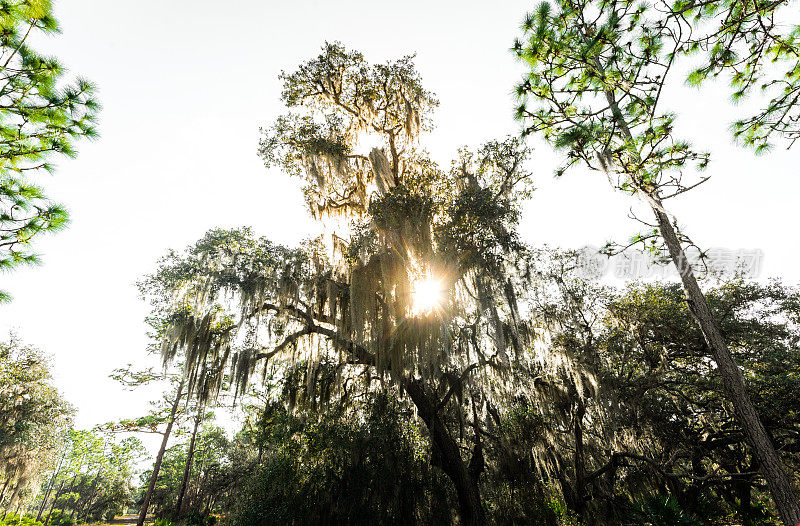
(449, 458)
(188, 468)
(780, 487)
(53, 504)
(160, 456)
(50, 487)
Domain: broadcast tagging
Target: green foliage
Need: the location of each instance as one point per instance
(40, 117)
(597, 72)
(756, 45)
(33, 417)
(220, 467)
(12, 519)
(335, 100)
(60, 518)
(661, 511)
(341, 468)
(655, 415)
(91, 480)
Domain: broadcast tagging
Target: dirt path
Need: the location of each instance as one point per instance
(125, 519)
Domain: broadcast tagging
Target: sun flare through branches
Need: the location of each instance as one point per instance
(426, 295)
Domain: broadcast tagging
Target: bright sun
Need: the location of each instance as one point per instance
(426, 295)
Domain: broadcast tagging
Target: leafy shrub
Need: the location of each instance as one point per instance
(12, 519)
(60, 519)
(661, 511)
(199, 519)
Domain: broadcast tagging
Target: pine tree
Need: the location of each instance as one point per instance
(40, 116)
(598, 69)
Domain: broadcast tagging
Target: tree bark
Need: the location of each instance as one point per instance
(50, 487)
(188, 468)
(53, 504)
(449, 457)
(579, 461)
(94, 488)
(780, 487)
(5, 486)
(160, 456)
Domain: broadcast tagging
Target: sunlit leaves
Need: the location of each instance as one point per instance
(597, 72)
(750, 43)
(40, 117)
(335, 102)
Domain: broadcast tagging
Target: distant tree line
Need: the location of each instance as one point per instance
(50, 471)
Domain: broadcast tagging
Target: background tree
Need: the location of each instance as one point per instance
(40, 116)
(165, 413)
(632, 423)
(33, 418)
(598, 69)
(92, 482)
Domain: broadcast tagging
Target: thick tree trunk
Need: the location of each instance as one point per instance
(449, 457)
(780, 487)
(188, 468)
(160, 456)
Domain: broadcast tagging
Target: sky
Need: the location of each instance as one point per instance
(185, 87)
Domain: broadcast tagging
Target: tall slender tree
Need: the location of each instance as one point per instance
(187, 469)
(161, 420)
(598, 71)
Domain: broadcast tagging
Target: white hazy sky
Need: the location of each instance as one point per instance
(186, 85)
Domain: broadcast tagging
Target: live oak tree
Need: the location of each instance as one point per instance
(412, 287)
(704, 452)
(598, 70)
(40, 116)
